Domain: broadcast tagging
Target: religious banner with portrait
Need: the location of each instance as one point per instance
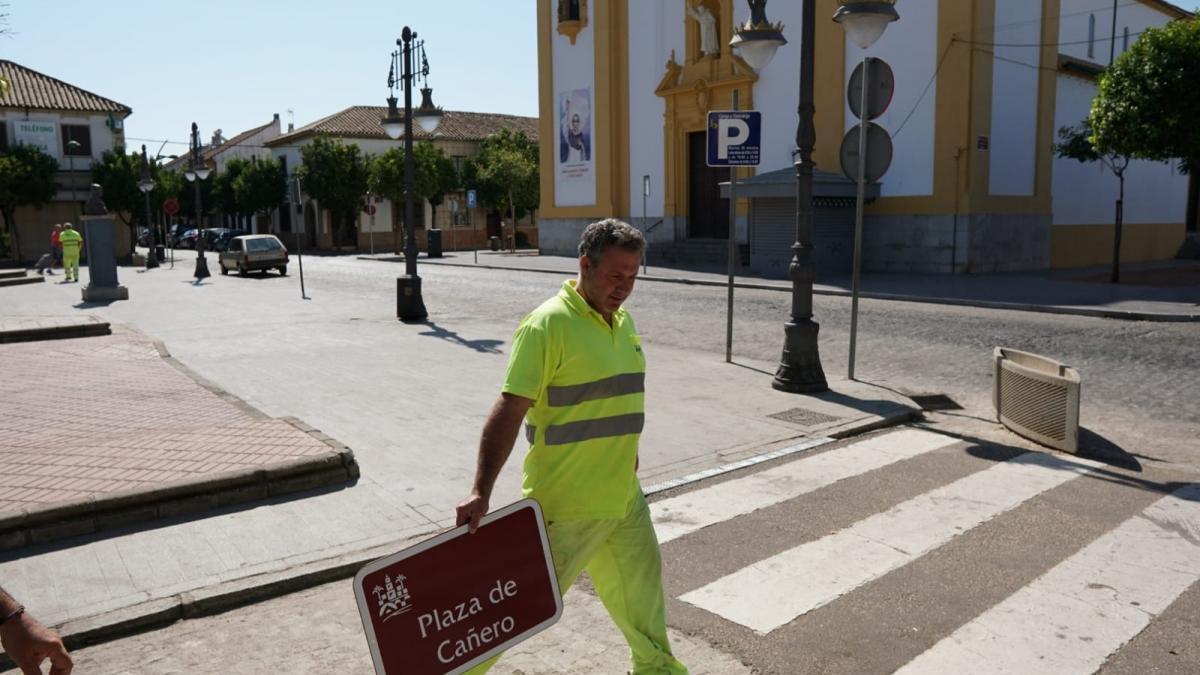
(574, 160)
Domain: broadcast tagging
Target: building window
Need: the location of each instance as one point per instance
(460, 163)
(572, 17)
(3, 135)
(81, 134)
(1091, 36)
(1125, 40)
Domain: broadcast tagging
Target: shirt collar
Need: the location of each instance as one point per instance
(575, 301)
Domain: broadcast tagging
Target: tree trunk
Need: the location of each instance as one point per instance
(12, 229)
(1120, 217)
(1193, 198)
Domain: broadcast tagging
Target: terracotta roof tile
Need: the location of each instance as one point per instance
(362, 121)
(31, 89)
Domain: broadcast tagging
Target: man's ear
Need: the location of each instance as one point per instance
(585, 264)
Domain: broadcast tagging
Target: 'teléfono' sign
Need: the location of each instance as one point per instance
(457, 599)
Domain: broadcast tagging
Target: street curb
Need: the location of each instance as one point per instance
(98, 513)
(88, 329)
(229, 595)
(1123, 315)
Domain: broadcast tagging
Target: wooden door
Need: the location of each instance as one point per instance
(708, 213)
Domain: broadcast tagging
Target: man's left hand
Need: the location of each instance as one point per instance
(28, 643)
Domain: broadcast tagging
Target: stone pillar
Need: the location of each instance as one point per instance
(102, 260)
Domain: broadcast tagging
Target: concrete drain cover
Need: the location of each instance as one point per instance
(803, 417)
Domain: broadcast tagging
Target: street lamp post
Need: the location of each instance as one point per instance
(73, 147)
(196, 173)
(409, 304)
(146, 184)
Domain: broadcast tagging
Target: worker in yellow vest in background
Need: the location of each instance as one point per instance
(71, 242)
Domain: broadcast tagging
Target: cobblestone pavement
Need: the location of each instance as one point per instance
(90, 416)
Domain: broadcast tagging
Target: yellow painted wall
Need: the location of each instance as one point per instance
(1083, 245)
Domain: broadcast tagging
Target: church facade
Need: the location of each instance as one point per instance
(982, 86)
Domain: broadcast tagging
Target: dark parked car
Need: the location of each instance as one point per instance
(219, 238)
(188, 239)
(175, 234)
(254, 252)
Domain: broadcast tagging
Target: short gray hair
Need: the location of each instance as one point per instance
(601, 235)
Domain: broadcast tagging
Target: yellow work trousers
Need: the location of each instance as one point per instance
(621, 556)
(71, 264)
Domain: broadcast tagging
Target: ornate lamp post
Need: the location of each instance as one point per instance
(196, 173)
(756, 41)
(146, 184)
(409, 305)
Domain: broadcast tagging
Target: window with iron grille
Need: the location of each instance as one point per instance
(81, 134)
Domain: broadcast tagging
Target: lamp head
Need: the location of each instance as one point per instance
(756, 40)
(393, 123)
(864, 22)
(428, 115)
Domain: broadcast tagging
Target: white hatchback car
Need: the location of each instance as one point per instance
(254, 252)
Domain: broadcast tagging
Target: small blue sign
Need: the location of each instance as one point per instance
(470, 199)
(734, 138)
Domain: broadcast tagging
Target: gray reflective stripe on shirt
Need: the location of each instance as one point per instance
(530, 433)
(617, 385)
(604, 427)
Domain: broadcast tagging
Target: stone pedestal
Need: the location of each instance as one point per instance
(97, 227)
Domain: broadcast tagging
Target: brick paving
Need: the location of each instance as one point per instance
(93, 416)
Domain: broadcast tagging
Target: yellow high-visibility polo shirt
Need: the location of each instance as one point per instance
(586, 379)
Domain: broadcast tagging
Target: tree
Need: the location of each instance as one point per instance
(505, 174)
(118, 175)
(1076, 143)
(224, 199)
(1149, 101)
(433, 176)
(27, 177)
(260, 186)
(336, 175)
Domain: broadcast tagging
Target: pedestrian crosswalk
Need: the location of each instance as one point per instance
(1069, 619)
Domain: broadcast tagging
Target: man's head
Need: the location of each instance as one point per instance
(57, 227)
(68, 226)
(576, 123)
(609, 254)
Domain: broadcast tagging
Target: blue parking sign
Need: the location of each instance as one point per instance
(734, 138)
(470, 199)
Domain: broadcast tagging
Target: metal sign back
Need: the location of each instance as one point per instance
(880, 88)
(453, 601)
(879, 153)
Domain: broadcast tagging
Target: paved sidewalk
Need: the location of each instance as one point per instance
(100, 432)
(1167, 291)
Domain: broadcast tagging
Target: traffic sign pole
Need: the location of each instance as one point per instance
(732, 251)
(856, 273)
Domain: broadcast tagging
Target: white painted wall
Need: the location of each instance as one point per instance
(1012, 154)
(1073, 26)
(574, 68)
(655, 28)
(1084, 194)
(251, 146)
(909, 46)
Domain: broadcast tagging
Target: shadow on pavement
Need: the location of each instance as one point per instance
(1094, 446)
(482, 346)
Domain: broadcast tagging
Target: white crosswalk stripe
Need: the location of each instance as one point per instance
(774, 591)
(1081, 611)
(691, 511)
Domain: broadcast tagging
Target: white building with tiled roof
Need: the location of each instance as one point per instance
(72, 125)
(458, 135)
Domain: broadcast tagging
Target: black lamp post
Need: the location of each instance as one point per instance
(196, 173)
(146, 184)
(409, 305)
(756, 41)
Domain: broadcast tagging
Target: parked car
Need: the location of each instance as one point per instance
(219, 238)
(175, 234)
(188, 239)
(254, 252)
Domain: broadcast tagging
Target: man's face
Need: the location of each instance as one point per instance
(575, 124)
(608, 283)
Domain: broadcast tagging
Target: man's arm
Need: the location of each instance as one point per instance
(495, 445)
(28, 643)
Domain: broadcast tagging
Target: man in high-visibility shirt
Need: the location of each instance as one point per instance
(71, 242)
(576, 377)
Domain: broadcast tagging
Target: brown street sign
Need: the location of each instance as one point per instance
(451, 602)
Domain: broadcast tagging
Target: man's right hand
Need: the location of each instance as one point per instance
(29, 643)
(471, 510)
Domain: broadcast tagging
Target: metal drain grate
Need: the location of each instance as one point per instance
(936, 402)
(803, 417)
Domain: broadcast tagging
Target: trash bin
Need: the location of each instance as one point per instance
(160, 252)
(433, 243)
(494, 243)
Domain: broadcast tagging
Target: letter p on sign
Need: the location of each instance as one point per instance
(734, 138)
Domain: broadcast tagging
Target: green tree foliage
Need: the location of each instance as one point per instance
(260, 186)
(335, 174)
(27, 178)
(224, 199)
(175, 184)
(505, 173)
(118, 175)
(1149, 101)
(433, 176)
